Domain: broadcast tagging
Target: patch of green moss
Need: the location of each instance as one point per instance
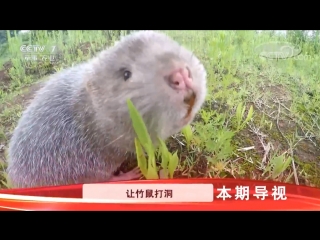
(312, 171)
(275, 135)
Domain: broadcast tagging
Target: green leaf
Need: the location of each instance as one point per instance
(286, 163)
(173, 163)
(140, 129)
(165, 154)
(238, 111)
(249, 116)
(239, 114)
(152, 173)
(142, 133)
(243, 110)
(142, 161)
(279, 164)
(152, 162)
(187, 132)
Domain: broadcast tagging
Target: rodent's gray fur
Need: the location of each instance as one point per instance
(78, 129)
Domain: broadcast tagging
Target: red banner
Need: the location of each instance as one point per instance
(174, 194)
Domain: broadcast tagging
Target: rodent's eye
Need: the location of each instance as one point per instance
(126, 75)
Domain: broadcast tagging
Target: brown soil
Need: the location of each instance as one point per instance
(306, 150)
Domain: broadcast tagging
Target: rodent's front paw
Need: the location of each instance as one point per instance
(134, 174)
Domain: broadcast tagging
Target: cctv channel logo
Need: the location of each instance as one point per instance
(35, 49)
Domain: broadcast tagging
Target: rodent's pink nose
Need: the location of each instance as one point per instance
(180, 79)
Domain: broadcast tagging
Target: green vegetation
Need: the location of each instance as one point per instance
(144, 144)
(260, 120)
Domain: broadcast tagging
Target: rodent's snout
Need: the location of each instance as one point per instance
(180, 79)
